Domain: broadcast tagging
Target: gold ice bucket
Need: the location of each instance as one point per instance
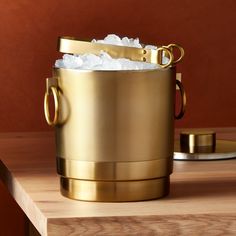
(114, 132)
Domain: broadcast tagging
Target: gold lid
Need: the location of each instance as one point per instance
(197, 145)
(197, 141)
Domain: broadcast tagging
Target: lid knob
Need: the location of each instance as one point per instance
(197, 141)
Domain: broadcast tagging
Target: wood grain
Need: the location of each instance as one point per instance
(202, 199)
(147, 225)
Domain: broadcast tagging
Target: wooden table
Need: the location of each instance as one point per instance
(202, 199)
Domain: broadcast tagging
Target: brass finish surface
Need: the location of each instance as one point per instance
(114, 130)
(116, 116)
(116, 171)
(75, 46)
(114, 191)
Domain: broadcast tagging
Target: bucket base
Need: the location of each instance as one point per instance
(114, 191)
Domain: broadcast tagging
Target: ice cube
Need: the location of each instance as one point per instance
(71, 61)
(136, 43)
(89, 60)
(151, 47)
(125, 41)
(113, 39)
(59, 63)
(105, 55)
(165, 60)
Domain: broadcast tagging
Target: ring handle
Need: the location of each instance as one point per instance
(160, 52)
(171, 48)
(183, 100)
(54, 91)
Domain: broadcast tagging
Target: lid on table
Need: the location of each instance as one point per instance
(203, 145)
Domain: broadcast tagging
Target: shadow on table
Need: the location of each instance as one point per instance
(203, 188)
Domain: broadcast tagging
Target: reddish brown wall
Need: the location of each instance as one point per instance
(205, 28)
(12, 218)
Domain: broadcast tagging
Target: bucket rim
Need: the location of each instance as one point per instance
(112, 71)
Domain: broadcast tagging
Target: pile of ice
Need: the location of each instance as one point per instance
(125, 41)
(104, 61)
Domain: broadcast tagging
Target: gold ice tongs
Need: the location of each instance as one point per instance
(75, 46)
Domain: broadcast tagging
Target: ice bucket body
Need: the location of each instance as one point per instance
(114, 138)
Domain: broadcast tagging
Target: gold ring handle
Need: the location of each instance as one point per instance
(53, 90)
(169, 54)
(183, 100)
(171, 48)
